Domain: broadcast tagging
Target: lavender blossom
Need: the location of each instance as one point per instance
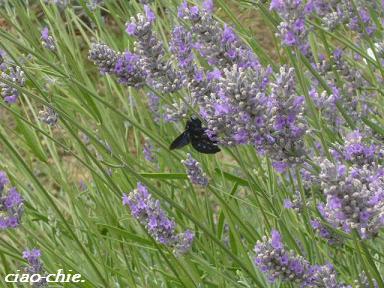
(11, 205)
(181, 47)
(326, 233)
(354, 187)
(363, 282)
(334, 13)
(219, 45)
(195, 174)
(175, 112)
(326, 277)
(47, 40)
(154, 105)
(104, 57)
(285, 142)
(48, 116)
(271, 258)
(34, 265)
(3, 65)
(237, 110)
(61, 4)
(149, 213)
(16, 76)
(148, 152)
(128, 71)
(278, 263)
(292, 29)
(348, 93)
(93, 4)
(296, 203)
(160, 74)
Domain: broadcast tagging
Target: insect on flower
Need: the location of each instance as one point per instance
(196, 135)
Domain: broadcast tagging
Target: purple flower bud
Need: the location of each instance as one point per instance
(47, 40)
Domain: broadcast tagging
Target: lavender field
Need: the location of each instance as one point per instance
(199, 143)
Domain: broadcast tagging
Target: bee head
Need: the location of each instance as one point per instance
(193, 123)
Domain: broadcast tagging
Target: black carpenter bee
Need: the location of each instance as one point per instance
(195, 134)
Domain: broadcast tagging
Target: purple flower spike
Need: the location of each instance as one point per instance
(16, 76)
(47, 40)
(158, 71)
(11, 205)
(280, 264)
(103, 56)
(149, 13)
(194, 171)
(353, 186)
(149, 213)
(34, 266)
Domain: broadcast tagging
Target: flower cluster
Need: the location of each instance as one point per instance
(278, 263)
(347, 93)
(125, 66)
(296, 203)
(15, 75)
(325, 232)
(363, 282)
(59, 3)
(219, 45)
(236, 96)
(103, 57)
(3, 65)
(195, 174)
(49, 116)
(93, 4)
(47, 40)
(148, 152)
(158, 71)
(34, 265)
(292, 29)
(353, 186)
(11, 204)
(149, 213)
(356, 16)
(153, 102)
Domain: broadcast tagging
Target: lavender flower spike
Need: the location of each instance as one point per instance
(194, 171)
(48, 116)
(34, 265)
(278, 263)
(16, 76)
(148, 152)
(149, 213)
(103, 56)
(11, 205)
(128, 71)
(47, 40)
(158, 71)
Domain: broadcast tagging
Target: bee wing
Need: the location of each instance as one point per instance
(180, 141)
(203, 144)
